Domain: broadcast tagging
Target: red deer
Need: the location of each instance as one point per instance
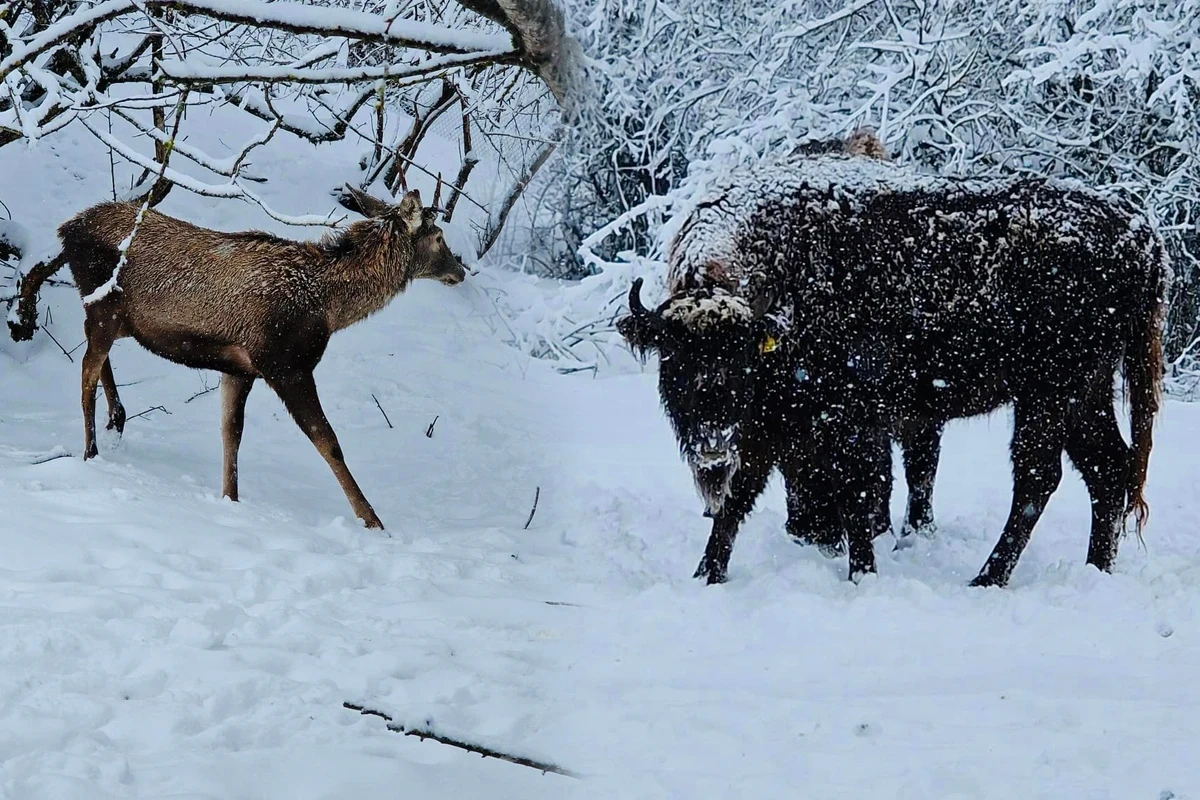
(870, 294)
(249, 305)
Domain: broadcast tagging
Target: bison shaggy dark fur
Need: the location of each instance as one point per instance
(818, 306)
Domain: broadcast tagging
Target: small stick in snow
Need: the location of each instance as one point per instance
(148, 410)
(202, 392)
(486, 752)
(381, 411)
(429, 430)
(536, 494)
(60, 347)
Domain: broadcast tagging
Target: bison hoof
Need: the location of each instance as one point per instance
(711, 574)
(925, 530)
(857, 574)
(986, 579)
(830, 546)
(835, 549)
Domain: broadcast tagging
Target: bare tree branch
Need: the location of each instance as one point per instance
(496, 225)
(291, 17)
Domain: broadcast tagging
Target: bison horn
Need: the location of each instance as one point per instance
(635, 300)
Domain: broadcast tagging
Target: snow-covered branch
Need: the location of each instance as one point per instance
(188, 74)
(292, 17)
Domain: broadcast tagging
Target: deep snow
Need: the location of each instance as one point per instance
(159, 641)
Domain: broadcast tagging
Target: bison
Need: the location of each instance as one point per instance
(818, 306)
(812, 517)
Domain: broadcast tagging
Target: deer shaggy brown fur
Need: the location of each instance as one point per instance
(249, 305)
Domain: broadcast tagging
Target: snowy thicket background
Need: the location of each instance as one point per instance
(1106, 91)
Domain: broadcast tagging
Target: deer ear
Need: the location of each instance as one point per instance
(411, 211)
(367, 205)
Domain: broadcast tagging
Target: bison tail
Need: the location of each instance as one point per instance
(22, 325)
(1143, 386)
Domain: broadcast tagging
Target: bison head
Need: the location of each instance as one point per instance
(711, 344)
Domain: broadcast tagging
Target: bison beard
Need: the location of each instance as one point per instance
(898, 302)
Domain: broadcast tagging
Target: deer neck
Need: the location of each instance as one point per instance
(364, 275)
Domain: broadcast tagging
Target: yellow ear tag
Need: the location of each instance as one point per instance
(768, 345)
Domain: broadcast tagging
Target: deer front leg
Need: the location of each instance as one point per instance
(299, 395)
(234, 391)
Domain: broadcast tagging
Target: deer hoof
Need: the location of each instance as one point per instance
(116, 420)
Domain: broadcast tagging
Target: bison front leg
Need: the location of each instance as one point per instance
(748, 483)
(812, 512)
(861, 466)
(813, 518)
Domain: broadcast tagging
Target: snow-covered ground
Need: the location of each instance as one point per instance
(158, 641)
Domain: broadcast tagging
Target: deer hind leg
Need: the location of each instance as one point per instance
(94, 361)
(1039, 435)
(93, 366)
(299, 395)
(116, 411)
(1097, 450)
(234, 391)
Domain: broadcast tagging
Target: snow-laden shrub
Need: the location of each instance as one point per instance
(1106, 92)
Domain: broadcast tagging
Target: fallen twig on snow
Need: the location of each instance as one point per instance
(147, 411)
(381, 411)
(429, 430)
(60, 347)
(202, 392)
(536, 494)
(486, 752)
